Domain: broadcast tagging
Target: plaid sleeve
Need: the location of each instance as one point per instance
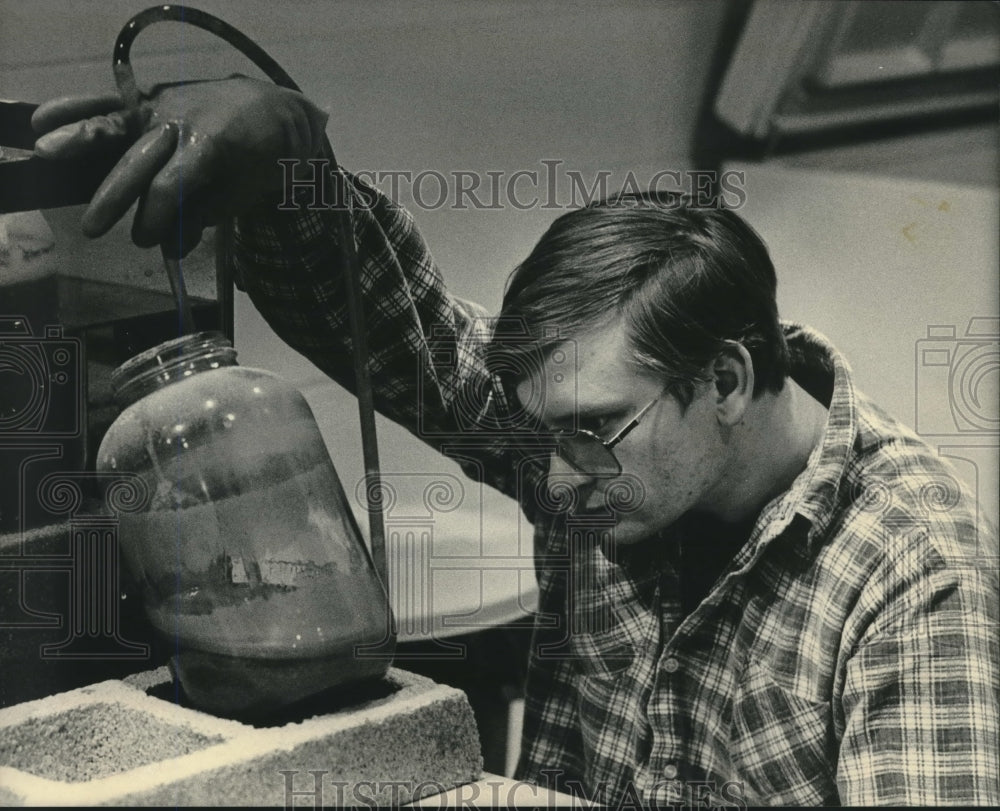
(921, 697)
(426, 348)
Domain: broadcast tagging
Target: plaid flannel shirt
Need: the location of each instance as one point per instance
(848, 653)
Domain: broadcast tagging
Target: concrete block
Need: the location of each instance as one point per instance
(120, 743)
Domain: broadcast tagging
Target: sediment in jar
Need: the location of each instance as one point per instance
(279, 569)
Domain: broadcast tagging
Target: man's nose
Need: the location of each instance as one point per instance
(562, 475)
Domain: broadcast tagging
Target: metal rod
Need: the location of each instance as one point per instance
(176, 276)
(351, 269)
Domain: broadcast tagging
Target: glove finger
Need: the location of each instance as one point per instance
(131, 176)
(99, 135)
(178, 193)
(66, 110)
(167, 220)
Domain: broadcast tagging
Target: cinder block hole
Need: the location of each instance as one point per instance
(95, 740)
(336, 699)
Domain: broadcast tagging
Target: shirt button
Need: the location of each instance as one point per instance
(670, 772)
(671, 665)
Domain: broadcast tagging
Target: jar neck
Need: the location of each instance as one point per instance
(168, 363)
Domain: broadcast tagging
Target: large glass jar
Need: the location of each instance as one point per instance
(251, 564)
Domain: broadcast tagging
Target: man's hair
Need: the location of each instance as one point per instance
(684, 279)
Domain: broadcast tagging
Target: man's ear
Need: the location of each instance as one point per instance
(732, 375)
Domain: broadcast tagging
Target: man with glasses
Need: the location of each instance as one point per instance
(749, 593)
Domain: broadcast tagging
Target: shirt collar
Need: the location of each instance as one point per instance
(823, 372)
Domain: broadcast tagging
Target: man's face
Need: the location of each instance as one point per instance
(678, 456)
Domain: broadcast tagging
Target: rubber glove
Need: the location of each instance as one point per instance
(194, 152)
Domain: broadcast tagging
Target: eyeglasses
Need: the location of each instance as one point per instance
(591, 455)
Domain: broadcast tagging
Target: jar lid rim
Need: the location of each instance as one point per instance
(166, 354)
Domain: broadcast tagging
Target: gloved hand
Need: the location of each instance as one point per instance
(196, 152)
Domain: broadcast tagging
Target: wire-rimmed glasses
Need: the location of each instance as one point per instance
(589, 454)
